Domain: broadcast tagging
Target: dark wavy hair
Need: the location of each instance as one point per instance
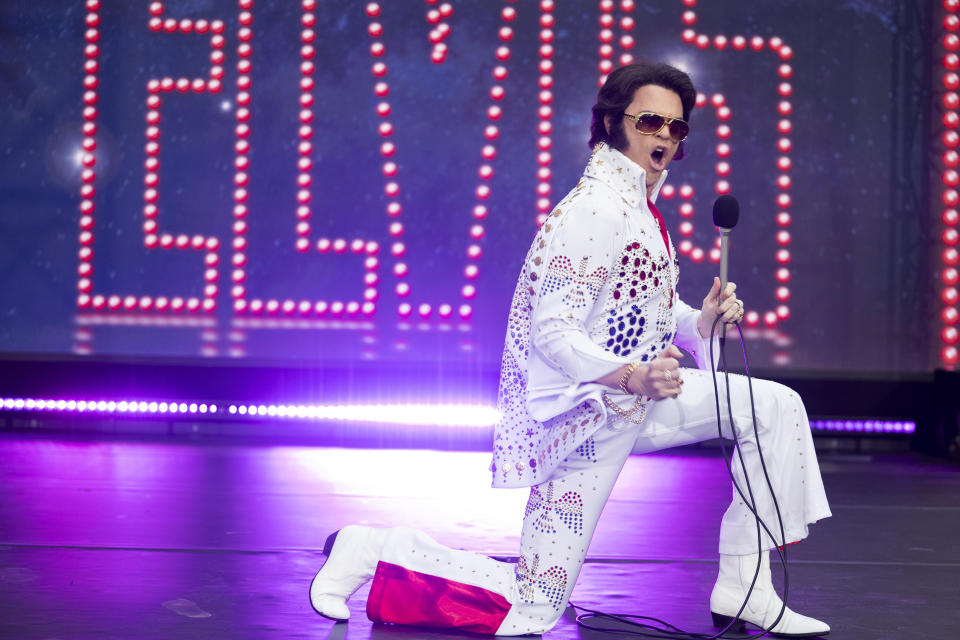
(616, 94)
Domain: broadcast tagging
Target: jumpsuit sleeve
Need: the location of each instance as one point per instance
(565, 361)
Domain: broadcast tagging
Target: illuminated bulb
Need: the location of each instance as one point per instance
(950, 355)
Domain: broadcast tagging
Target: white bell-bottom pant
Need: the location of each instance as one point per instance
(421, 582)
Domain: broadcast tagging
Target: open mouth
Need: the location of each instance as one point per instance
(657, 158)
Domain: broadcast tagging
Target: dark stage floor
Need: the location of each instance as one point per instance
(131, 540)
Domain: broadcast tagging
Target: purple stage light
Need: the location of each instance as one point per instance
(865, 426)
(105, 406)
(453, 415)
(456, 415)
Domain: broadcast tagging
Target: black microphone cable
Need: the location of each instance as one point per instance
(751, 504)
(630, 624)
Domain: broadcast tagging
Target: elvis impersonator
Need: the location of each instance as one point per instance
(590, 374)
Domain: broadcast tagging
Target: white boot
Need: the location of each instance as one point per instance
(352, 556)
(736, 574)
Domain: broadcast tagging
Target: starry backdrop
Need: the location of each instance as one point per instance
(848, 265)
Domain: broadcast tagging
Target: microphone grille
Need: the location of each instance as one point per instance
(726, 212)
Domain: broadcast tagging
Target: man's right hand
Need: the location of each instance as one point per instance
(661, 378)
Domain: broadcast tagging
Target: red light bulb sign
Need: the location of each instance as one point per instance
(545, 111)
(948, 166)
(155, 236)
(437, 18)
(783, 201)
(617, 43)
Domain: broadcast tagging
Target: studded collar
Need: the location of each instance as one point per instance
(623, 175)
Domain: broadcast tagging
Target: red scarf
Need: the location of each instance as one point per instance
(663, 225)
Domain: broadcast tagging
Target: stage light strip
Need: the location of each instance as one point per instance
(146, 407)
(864, 426)
(457, 415)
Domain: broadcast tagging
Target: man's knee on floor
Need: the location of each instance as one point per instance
(526, 619)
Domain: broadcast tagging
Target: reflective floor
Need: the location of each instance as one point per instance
(168, 539)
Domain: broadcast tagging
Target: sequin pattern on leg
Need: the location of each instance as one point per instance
(552, 583)
(568, 508)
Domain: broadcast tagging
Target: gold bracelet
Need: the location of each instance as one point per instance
(625, 378)
(628, 416)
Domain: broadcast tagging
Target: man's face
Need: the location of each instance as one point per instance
(652, 152)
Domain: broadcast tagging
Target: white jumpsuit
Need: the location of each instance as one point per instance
(597, 291)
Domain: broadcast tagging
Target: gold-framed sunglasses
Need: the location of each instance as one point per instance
(649, 123)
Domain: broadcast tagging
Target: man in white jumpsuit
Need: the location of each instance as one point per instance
(590, 373)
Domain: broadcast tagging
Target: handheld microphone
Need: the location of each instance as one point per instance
(726, 214)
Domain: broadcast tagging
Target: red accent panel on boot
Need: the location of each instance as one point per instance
(401, 596)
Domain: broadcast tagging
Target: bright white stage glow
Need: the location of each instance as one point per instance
(682, 61)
